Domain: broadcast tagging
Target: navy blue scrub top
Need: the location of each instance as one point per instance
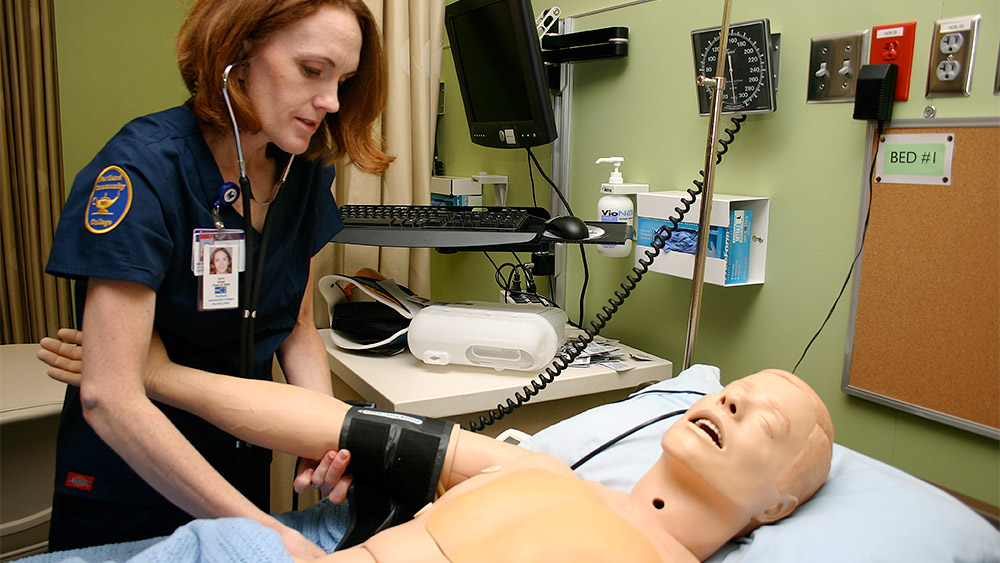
(167, 181)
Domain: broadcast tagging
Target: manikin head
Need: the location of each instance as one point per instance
(745, 456)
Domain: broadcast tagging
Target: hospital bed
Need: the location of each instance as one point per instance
(865, 511)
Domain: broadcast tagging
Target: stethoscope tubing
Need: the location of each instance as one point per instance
(253, 273)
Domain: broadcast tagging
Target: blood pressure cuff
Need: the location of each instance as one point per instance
(396, 460)
(367, 322)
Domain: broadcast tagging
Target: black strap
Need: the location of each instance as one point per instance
(396, 461)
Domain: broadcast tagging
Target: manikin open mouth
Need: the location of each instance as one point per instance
(709, 427)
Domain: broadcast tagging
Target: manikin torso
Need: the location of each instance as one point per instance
(567, 519)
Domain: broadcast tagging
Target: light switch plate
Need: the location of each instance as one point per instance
(953, 52)
(834, 63)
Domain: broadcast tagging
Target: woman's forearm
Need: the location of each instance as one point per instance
(118, 328)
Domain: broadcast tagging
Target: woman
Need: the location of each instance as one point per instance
(306, 79)
(221, 262)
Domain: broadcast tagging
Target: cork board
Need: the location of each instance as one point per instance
(925, 332)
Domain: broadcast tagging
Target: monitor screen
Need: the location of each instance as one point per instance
(500, 74)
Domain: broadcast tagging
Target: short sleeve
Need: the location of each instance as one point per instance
(126, 240)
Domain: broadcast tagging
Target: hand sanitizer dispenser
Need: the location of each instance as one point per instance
(616, 206)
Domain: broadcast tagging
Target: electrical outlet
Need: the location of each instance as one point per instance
(834, 63)
(953, 51)
(894, 44)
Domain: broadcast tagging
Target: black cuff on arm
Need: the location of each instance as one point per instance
(396, 460)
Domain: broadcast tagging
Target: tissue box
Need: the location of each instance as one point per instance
(741, 258)
(456, 200)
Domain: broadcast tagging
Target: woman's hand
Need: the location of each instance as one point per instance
(327, 475)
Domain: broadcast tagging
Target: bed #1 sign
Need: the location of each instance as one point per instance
(916, 158)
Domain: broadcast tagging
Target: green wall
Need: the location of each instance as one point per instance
(116, 62)
(807, 158)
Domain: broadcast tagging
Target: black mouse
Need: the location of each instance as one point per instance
(567, 227)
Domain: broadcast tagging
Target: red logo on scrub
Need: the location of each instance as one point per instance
(77, 481)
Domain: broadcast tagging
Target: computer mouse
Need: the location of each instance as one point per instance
(567, 227)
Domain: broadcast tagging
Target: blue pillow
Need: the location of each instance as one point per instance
(866, 510)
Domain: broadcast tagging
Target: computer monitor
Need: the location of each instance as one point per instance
(500, 73)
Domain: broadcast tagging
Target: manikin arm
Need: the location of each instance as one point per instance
(282, 417)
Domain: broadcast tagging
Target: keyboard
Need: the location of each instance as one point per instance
(439, 226)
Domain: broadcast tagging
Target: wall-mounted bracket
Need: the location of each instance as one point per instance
(606, 43)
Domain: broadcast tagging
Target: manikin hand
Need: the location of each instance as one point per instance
(327, 475)
(64, 357)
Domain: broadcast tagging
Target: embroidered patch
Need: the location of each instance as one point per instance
(77, 481)
(110, 200)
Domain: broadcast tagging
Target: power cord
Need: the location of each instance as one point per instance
(583, 254)
(624, 435)
(510, 283)
(861, 246)
(575, 347)
(639, 426)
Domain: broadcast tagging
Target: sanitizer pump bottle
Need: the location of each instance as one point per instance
(616, 206)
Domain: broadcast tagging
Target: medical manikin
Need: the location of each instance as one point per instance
(745, 456)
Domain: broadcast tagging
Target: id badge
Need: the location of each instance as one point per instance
(207, 237)
(217, 257)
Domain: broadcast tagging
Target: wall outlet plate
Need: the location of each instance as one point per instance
(953, 51)
(834, 63)
(894, 44)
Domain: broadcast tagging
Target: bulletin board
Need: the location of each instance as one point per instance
(924, 335)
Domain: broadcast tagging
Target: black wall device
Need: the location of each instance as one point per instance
(876, 88)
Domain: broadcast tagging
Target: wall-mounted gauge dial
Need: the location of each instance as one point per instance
(750, 71)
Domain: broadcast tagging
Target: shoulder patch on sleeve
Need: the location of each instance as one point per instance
(109, 201)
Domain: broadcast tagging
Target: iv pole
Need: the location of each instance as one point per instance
(711, 150)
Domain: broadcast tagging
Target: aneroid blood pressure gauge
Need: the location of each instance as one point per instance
(750, 71)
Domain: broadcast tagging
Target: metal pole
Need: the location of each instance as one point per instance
(563, 109)
(704, 221)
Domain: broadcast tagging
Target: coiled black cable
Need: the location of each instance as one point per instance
(576, 346)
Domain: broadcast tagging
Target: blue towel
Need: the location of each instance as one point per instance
(221, 539)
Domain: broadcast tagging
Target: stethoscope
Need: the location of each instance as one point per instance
(254, 272)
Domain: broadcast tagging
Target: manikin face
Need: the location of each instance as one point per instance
(735, 444)
(293, 77)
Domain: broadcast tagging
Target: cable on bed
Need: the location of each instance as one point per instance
(624, 435)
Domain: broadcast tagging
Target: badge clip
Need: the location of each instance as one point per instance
(227, 194)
